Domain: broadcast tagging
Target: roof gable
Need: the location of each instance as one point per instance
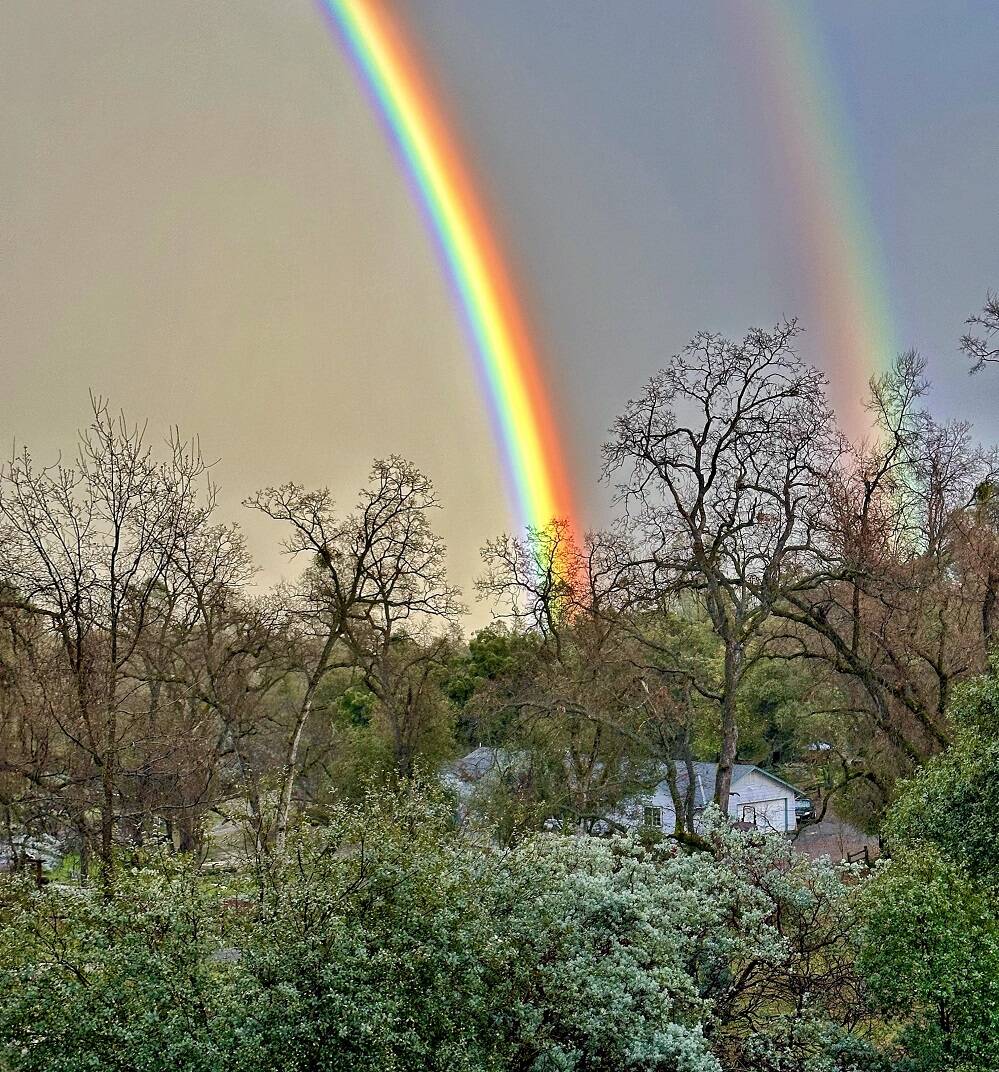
(484, 760)
(748, 768)
(706, 778)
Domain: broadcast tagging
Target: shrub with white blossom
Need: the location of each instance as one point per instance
(386, 940)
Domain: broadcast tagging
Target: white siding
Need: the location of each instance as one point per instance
(771, 804)
(756, 797)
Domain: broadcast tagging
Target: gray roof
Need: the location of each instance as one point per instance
(481, 761)
(706, 776)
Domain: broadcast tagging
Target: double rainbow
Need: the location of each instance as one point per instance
(519, 402)
(841, 257)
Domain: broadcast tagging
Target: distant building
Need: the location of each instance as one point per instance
(484, 768)
(758, 798)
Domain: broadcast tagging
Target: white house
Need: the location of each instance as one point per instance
(758, 798)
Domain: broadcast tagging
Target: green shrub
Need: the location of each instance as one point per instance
(387, 940)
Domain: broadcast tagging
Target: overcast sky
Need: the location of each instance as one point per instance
(200, 218)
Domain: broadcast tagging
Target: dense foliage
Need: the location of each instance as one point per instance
(385, 939)
(932, 922)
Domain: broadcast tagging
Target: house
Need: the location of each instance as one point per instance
(758, 798)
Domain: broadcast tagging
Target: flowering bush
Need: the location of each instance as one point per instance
(127, 982)
(386, 940)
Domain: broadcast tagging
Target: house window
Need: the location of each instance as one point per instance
(654, 818)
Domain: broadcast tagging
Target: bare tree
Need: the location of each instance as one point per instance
(208, 669)
(724, 463)
(86, 547)
(372, 574)
(982, 345)
(584, 694)
(39, 781)
(907, 609)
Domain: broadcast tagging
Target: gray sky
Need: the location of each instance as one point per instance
(199, 217)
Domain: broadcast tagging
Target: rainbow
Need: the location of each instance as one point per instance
(521, 410)
(842, 259)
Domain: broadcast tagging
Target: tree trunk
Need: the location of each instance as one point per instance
(291, 755)
(107, 813)
(690, 791)
(989, 610)
(291, 772)
(679, 811)
(109, 763)
(187, 824)
(256, 820)
(84, 855)
(729, 724)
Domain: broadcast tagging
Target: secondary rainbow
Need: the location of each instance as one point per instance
(842, 258)
(521, 409)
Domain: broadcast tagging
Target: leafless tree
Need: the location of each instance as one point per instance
(372, 574)
(906, 610)
(723, 464)
(86, 547)
(982, 343)
(210, 665)
(42, 782)
(586, 693)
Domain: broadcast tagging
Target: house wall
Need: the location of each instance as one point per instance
(635, 813)
(772, 803)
